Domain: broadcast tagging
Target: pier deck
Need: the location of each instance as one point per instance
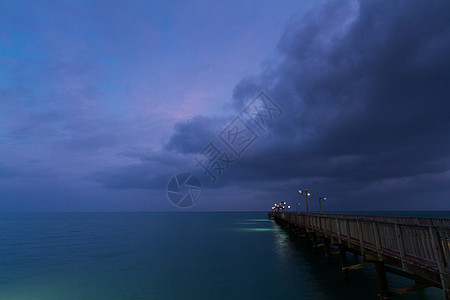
(416, 248)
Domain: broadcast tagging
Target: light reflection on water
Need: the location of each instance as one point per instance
(255, 229)
(255, 225)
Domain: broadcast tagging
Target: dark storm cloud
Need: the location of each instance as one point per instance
(365, 87)
(192, 135)
(365, 90)
(371, 93)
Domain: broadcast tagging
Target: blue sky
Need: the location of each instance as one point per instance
(102, 102)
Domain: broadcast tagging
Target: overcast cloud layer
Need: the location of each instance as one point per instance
(364, 87)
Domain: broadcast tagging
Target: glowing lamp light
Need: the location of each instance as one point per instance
(301, 192)
(307, 194)
(320, 202)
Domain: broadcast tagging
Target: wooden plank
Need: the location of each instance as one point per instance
(446, 245)
(358, 266)
(347, 227)
(338, 227)
(409, 289)
(416, 278)
(377, 240)
(440, 260)
(398, 233)
(360, 236)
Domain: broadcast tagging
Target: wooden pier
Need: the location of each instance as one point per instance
(415, 248)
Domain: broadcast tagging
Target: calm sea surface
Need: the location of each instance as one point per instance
(172, 256)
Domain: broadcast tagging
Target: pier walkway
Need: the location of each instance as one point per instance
(416, 248)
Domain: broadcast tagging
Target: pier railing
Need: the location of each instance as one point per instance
(438, 222)
(416, 245)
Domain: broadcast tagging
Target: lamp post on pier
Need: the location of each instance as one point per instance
(296, 206)
(301, 192)
(320, 203)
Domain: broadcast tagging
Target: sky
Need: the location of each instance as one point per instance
(231, 105)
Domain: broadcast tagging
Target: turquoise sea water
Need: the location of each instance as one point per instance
(171, 256)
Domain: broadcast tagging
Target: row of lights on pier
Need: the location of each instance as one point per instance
(282, 205)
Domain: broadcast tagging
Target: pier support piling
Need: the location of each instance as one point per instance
(382, 282)
(344, 263)
(314, 240)
(327, 248)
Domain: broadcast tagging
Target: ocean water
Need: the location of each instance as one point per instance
(171, 256)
